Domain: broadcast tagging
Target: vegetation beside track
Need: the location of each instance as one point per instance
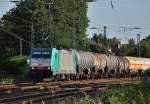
(13, 69)
(138, 94)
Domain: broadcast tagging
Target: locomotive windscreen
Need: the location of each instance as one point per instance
(46, 55)
(40, 58)
(36, 55)
(41, 54)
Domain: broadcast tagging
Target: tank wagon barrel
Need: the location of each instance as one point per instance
(137, 64)
(101, 61)
(85, 61)
(146, 64)
(113, 63)
(123, 64)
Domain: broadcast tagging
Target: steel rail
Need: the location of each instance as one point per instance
(66, 91)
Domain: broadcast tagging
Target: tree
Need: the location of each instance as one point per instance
(95, 38)
(124, 50)
(100, 38)
(145, 47)
(50, 27)
(131, 47)
(20, 20)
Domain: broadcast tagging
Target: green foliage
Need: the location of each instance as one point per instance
(124, 50)
(52, 27)
(6, 45)
(20, 19)
(103, 43)
(95, 38)
(138, 94)
(145, 47)
(63, 23)
(14, 67)
(114, 100)
(131, 47)
(85, 100)
(128, 95)
(89, 100)
(7, 80)
(100, 38)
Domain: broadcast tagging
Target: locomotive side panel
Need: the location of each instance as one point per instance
(66, 63)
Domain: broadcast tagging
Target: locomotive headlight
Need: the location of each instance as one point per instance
(32, 67)
(48, 67)
(28, 61)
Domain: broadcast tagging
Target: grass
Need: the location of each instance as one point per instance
(7, 81)
(139, 94)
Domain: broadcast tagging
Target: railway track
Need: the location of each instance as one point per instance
(55, 91)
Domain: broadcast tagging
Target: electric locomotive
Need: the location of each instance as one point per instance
(40, 63)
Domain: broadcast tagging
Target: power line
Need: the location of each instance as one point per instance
(127, 28)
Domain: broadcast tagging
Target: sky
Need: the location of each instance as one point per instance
(125, 13)
(5, 5)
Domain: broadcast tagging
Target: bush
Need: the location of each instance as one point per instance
(14, 67)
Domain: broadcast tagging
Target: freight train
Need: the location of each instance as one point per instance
(72, 64)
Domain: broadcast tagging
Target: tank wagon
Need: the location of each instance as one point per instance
(84, 62)
(137, 65)
(100, 63)
(94, 65)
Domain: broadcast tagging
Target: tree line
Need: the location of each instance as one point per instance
(44, 23)
(114, 46)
